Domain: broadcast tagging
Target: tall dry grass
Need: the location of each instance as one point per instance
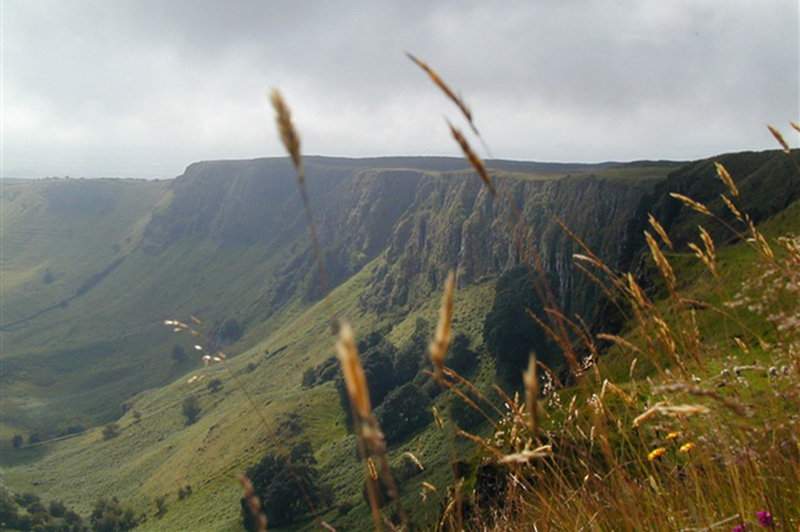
(692, 435)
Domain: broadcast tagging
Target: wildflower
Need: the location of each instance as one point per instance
(656, 453)
(765, 519)
(673, 435)
(739, 528)
(686, 447)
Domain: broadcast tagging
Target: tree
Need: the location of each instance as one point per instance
(110, 431)
(410, 356)
(17, 441)
(178, 354)
(462, 359)
(508, 330)
(403, 411)
(230, 331)
(276, 484)
(215, 385)
(191, 409)
(109, 515)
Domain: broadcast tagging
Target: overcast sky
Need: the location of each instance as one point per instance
(143, 88)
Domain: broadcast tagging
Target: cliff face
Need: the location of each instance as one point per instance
(422, 223)
(454, 222)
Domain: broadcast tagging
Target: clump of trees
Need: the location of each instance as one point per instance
(27, 511)
(276, 480)
(109, 515)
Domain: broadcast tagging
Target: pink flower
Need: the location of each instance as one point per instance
(739, 528)
(765, 519)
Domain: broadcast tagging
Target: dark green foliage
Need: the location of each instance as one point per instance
(229, 332)
(161, 505)
(55, 517)
(461, 358)
(191, 409)
(214, 385)
(403, 411)
(178, 354)
(321, 373)
(17, 441)
(110, 431)
(184, 492)
(276, 484)
(409, 358)
(34, 438)
(109, 515)
(510, 333)
(377, 358)
(72, 429)
(464, 416)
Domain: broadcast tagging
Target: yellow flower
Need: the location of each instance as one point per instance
(673, 435)
(686, 447)
(655, 453)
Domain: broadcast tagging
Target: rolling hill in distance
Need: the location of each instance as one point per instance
(91, 269)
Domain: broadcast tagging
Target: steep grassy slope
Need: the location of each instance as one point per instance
(227, 240)
(90, 268)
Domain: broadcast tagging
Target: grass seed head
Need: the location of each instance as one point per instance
(472, 157)
(726, 178)
(353, 371)
(779, 138)
(289, 137)
(441, 340)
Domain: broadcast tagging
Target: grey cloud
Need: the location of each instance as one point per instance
(143, 88)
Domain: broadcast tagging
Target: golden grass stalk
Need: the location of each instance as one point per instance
(531, 380)
(480, 441)
(608, 385)
(732, 207)
(619, 341)
(373, 473)
(437, 80)
(430, 487)
(689, 202)
(414, 460)
(441, 340)
(660, 230)
(253, 503)
(353, 371)
(732, 405)
(795, 125)
(723, 174)
(289, 137)
(661, 261)
(779, 138)
(683, 410)
(525, 456)
(437, 418)
(646, 415)
(472, 157)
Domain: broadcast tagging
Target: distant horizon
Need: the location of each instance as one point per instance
(362, 158)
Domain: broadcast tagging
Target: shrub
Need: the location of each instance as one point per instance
(214, 385)
(17, 441)
(403, 411)
(110, 431)
(191, 409)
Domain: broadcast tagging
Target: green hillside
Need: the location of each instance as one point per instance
(91, 269)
